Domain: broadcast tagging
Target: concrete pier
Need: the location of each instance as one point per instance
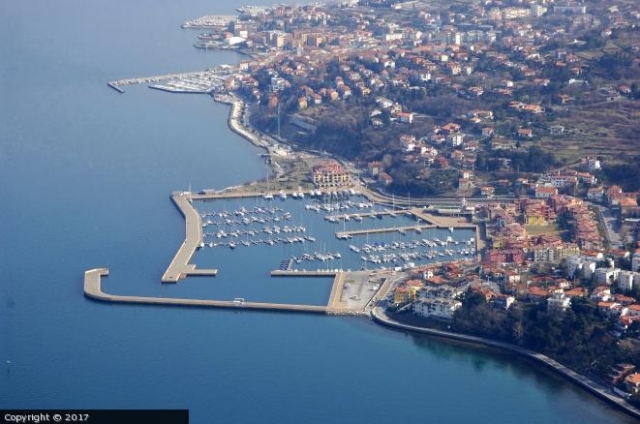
(180, 267)
(93, 290)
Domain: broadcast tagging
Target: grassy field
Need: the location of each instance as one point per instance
(538, 230)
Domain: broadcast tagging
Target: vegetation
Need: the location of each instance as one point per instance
(625, 174)
(578, 337)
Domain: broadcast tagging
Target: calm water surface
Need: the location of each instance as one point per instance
(85, 178)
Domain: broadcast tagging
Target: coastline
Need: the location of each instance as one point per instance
(235, 124)
(236, 106)
(379, 316)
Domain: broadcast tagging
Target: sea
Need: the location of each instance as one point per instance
(85, 179)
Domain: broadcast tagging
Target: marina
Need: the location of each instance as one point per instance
(185, 82)
(289, 234)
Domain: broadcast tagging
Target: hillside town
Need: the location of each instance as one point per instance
(528, 110)
(482, 92)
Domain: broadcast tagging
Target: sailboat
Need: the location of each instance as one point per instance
(268, 195)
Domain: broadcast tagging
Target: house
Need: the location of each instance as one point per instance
(374, 168)
(525, 133)
(601, 293)
(406, 117)
(537, 294)
(385, 178)
(609, 309)
(620, 372)
(558, 301)
(487, 191)
(503, 301)
(632, 383)
(465, 184)
(544, 192)
(595, 194)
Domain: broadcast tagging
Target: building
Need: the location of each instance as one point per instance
(558, 301)
(330, 174)
(554, 254)
(635, 261)
(606, 275)
(627, 279)
(544, 192)
(436, 308)
(632, 383)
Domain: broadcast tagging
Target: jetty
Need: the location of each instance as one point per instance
(180, 267)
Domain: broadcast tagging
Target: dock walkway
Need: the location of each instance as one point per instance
(401, 229)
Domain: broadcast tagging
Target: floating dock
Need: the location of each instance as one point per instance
(402, 229)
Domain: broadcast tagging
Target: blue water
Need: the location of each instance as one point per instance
(85, 178)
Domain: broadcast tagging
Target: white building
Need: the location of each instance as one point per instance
(558, 301)
(625, 280)
(606, 275)
(438, 308)
(583, 266)
(635, 261)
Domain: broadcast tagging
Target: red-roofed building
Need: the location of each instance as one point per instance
(543, 192)
(330, 174)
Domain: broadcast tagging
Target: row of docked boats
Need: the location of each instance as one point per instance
(252, 232)
(271, 241)
(311, 193)
(416, 255)
(317, 256)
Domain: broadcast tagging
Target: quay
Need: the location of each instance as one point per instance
(180, 267)
(601, 391)
(93, 290)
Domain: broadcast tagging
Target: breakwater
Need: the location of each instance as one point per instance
(180, 267)
(93, 290)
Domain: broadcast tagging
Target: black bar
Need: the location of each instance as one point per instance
(94, 416)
